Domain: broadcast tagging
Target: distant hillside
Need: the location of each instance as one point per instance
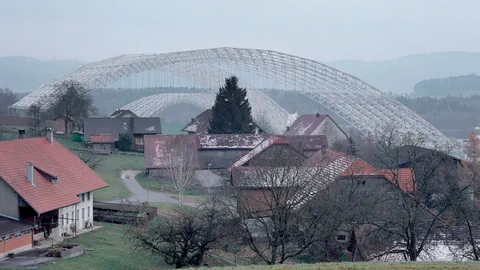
(25, 74)
(453, 86)
(401, 74)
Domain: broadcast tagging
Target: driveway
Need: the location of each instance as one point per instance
(209, 179)
(28, 259)
(144, 195)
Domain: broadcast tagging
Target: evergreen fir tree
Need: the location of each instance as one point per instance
(232, 113)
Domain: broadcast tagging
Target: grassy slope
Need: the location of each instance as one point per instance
(161, 186)
(109, 252)
(362, 266)
(109, 169)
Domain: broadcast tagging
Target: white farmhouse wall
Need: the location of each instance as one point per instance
(333, 132)
(83, 216)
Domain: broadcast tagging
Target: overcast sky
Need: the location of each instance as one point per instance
(323, 30)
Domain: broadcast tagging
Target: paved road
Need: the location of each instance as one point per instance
(28, 259)
(143, 195)
(208, 179)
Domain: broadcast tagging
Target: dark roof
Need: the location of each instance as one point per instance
(306, 124)
(11, 226)
(307, 143)
(121, 113)
(149, 125)
(158, 149)
(200, 124)
(112, 126)
(74, 176)
(102, 139)
(116, 126)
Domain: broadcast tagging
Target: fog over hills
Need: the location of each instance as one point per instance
(399, 75)
(25, 74)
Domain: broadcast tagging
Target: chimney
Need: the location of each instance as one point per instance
(50, 135)
(193, 119)
(288, 128)
(21, 133)
(318, 114)
(30, 173)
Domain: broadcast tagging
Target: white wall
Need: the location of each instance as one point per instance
(86, 205)
(330, 129)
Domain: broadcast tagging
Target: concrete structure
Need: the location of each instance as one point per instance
(15, 236)
(46, 185)
(318, 124)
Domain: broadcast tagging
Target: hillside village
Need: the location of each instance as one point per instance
(226, 193)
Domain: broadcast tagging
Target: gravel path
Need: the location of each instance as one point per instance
(144, 195)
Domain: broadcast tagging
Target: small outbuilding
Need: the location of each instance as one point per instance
(102, 144)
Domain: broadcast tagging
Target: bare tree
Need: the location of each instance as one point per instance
(7, 98)
(72, 102)
(410, 217)
(274, 203)
(91, 159)
(184, 237)
(181, 166)
(34, 112)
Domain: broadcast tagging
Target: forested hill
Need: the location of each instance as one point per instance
(25, 74)
(400, 75)
(453, 86)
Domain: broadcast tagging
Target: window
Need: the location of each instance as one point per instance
(83, 213)
(18, 234)
(78, 215)
(73, 217)
(342, 237)
(88, 196)
(88, 211)
(62, 219)
(139, 141)
(67, 219)
(83, 197)
(21, 202)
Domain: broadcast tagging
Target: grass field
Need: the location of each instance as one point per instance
(363, 266)
(110, 170)
(109, 252)
(161, 186)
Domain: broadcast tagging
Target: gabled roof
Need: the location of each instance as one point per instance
(74, 176)
(117, 126)
(307, 143)
(121, 113)
(102, 139)
(158, 149)
(306, 124)
(230, 141)
(200, 124)
(273, 140)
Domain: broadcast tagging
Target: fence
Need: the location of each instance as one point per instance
(113, 153)
(122, 213)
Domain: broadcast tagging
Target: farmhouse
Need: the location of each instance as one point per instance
(138, 127)
(317, 124)
(43, 183)
(201, 123)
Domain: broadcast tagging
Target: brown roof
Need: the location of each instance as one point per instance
(102, 139)
(200, 124)
(306, 124)
(158, 149)
(11, 226)
(74, 176)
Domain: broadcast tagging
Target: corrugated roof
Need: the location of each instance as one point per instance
(10, 226)
(306, 124)
(74, 176)
(200, 124)
(102, 139)
(117, 126)
(121, 113)
(230, 141)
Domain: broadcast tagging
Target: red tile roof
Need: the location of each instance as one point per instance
(404, 178)
(306, 124)
(102, 139)
(74, 176)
